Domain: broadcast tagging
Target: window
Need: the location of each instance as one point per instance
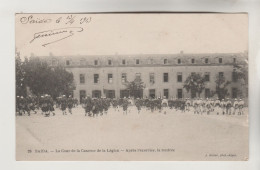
(123, 78)
(152, 93)
(221, 74)
(165, 61)
(138, 76)
(137, 61)
(82, 95)
(220, 60)
(192, 60)
(179, 93)
(82, 78)
(179, 61)
(234, 92)
(96, 78)
(165, 77)
(207, 77)
(123, 62)
(152, 78)
(166, 93)
(110, 94)
(193, 73)
(179, 77)
(96, 62)
(124, 93)
(67, 62)
(234, 60)
(110, 62)
(96, 93)
(206, 60)
(234, 76)
(207, 93)
(110, 78)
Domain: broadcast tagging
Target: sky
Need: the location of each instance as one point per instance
(109, 34)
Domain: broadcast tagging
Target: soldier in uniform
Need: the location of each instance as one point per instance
(228, 106)
(208, 106)
(235, 106)
(63, 104)
(187, 104)
(217, 106)
(164, 104)
(95, 107)
(241, 104)
(138, 105)
(70, 103)
(88, 104)
(223, 106)
(125, 105)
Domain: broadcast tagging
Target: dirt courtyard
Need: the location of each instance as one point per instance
(145, 136)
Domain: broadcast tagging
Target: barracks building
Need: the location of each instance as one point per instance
(162, 74)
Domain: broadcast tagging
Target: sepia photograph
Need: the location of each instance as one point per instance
(131, 87)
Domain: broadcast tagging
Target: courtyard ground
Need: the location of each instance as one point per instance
(145, 136)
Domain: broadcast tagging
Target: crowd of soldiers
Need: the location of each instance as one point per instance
(100, 106)
(45, 104)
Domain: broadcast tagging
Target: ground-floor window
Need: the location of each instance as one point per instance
(124, 93)
(82, 95)
(179, 93)
(110, 94)
(166, 93)
(96, 93)
(152, 93)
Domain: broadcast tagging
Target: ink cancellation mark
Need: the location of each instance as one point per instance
(56, 35)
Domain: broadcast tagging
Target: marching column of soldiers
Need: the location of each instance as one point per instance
(99, 106)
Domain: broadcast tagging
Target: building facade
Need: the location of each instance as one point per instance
(162, 74)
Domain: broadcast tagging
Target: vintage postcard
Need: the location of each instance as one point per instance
(131, 87)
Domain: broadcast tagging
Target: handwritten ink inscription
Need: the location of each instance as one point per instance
(58, 34)
(70, 19)
(55, 35)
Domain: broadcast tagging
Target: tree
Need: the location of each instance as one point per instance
(241, 73)
(221, 86)
(19, 77)
(43, 79)
(195, 83)
(135, 88)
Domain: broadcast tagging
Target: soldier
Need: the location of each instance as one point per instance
(31, 104)
(125, 105)
(63, 103)
(95, 107)
(208, 106)
(187, 104)
(235, 106)
(70, 103)
(106, 105)
(217, 105)
(88, 105)
(196, 106)
(228, 106)
(50, 105)
(138, 105)
(241, 104)
(158, 104)
(223, 106)
(164, 104)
